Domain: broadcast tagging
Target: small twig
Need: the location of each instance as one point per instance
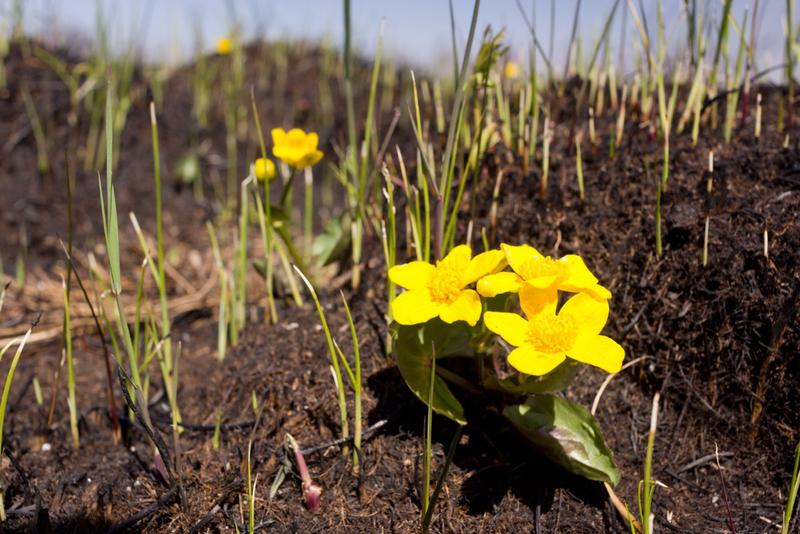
(346, 440)
(724, 491)
(703, 460)
(131, 521)
(226, 493)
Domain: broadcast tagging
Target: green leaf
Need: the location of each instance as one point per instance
(278, 215)
(567, 434)
(113, 244)
(414, 348)
(334, 241)
(492, 49)
(554, 381)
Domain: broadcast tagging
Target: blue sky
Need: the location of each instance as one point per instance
(417, 32)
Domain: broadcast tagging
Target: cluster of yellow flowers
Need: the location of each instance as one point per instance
(546, 336)
(295, 148)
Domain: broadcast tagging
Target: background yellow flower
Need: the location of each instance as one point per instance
(224, 46)
(512, 70)
(296, 147)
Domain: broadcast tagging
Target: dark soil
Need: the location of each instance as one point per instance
(719, 342)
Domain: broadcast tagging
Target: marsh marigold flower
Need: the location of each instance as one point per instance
(224, 46)
(296, 147)
(511, 70)
(264, 169)
(533, 269)
(546, 338)
(440, 290)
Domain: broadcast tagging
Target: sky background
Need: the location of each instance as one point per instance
(417, 32)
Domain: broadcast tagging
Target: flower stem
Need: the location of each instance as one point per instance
(308, 212)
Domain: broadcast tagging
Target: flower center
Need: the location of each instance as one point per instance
(552, 334)
(541, 266)
(445, 284)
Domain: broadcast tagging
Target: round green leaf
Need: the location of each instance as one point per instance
(415, 347)
(567, 434)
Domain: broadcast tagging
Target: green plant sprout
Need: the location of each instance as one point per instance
(794, 486)
(355, 380)
(167, 365)
(735, 84)
(334, 357)
(4, 400)
(71, 402)
(160, 261)
(108, 209)
(39, 134)
(251, 492)
(266, 176)
(647, 487)
(222, 318)
(579, 163)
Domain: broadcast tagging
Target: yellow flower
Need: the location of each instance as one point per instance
(533, 269)
(439, 290)
(224, 46)
(265, 169)
(547, 338)
(512, 70)
(296, 147)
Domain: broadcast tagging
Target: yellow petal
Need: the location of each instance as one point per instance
(589, 313)
(467, 307)
(518, 255)
(278, 136)
(310, 159)
(412, 275)
(459, 257)
(579, 277)
(538, 301)
(312, 140)
(285, 153)
(532, 362)
(494, 284)
(414, 307)
(600, 351)
(483, 264)
(296, 136)
(542, 282)
(510, 326)
(597, 291)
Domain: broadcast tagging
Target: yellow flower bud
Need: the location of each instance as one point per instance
(264, 169)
